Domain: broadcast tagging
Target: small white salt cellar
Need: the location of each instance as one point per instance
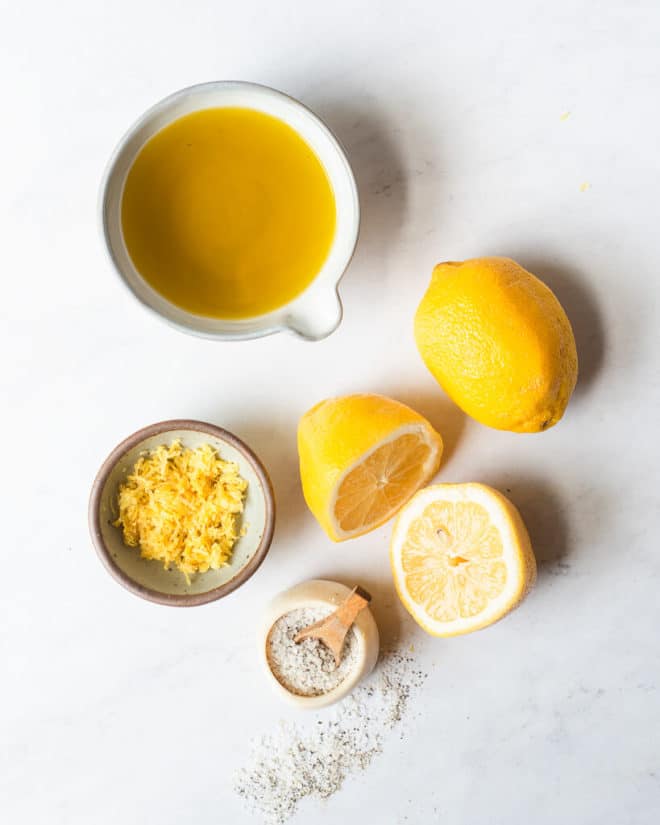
(315, 597)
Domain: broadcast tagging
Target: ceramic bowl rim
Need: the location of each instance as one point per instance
(178, 599)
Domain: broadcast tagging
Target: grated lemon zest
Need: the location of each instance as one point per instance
(182, 506)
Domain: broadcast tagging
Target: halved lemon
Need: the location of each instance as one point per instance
(461, 558)
(361, 459)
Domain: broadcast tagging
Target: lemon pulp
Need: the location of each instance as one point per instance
(461, 557)
(377, 487)
(452, 560)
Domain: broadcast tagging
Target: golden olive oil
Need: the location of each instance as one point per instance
(228, 213)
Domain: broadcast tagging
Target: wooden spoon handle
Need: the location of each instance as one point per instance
(348, 610)
(341, 620)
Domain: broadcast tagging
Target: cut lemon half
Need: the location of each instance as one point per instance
(461, 558)
(361, 459)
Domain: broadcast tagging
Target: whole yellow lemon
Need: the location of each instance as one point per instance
(498, 341)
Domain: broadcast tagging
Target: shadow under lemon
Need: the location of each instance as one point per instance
(545, 516)
(581, 305)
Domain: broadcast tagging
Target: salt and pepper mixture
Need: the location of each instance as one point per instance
(332, 630)
(319, 641)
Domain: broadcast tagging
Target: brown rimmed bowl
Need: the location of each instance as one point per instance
(149, 579)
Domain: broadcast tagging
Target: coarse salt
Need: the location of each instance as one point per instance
(307, 668)
(314, 758)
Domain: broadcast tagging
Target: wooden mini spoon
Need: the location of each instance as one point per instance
(333, 629)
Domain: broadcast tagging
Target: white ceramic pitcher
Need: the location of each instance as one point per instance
(313, 314)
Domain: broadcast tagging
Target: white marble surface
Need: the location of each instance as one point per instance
(115, 710)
